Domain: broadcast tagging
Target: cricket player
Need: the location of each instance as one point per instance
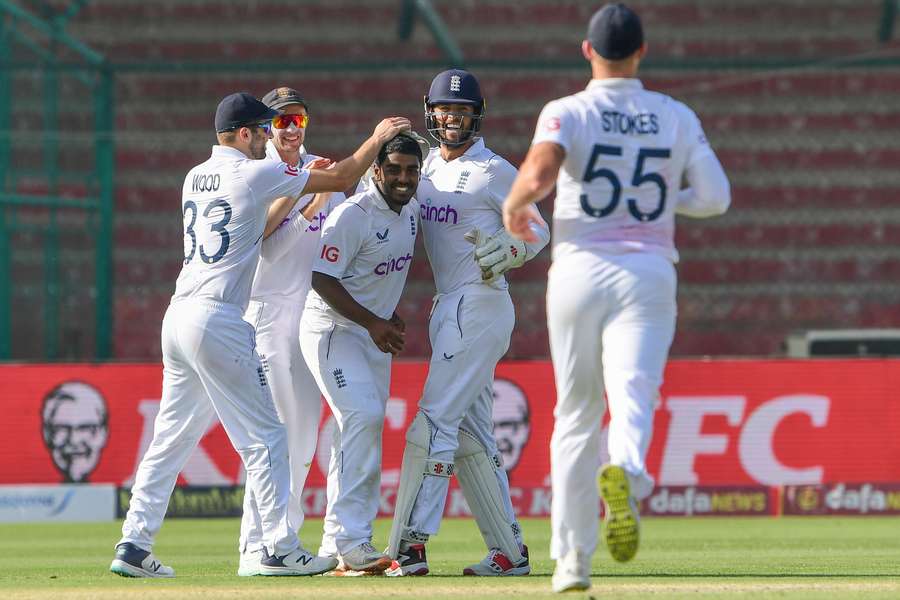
(460, 195)
(210, 365)
(279, 290)
(348, 333)
(620, 153)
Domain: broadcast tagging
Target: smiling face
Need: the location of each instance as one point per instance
(289, 140)
(75, 429)
(397, 178)
(452, 122)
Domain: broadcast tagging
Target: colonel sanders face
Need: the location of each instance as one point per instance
(512, 421)
(75, 429)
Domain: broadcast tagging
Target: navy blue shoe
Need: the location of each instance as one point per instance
(131, 561)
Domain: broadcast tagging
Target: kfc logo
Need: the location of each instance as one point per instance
(512, 421)
(331, 253)
(76, 427)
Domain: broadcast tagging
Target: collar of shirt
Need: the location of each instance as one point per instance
(615, 83)
(272, 153)
(380, 202)
(471, 152)
(227, 151)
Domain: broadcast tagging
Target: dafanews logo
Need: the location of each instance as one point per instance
(438, 214)
(842, 499)
(709, 501)
(393, 265)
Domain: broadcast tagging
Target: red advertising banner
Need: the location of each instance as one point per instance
(736, 423)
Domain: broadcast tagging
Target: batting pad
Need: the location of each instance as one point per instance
(475, 471)
(416, 465)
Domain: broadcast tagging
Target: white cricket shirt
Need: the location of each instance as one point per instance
(455, 196)
(224, 202)
(285, 264)
(369, 248)
(626, 152)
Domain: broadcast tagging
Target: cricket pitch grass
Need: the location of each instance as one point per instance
(805, 557)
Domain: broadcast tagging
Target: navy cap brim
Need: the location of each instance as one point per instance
(266, 115)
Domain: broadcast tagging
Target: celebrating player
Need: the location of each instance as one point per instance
(620, 153)
(349, 332)
(210, 364)
(279, 290)
(463, 186)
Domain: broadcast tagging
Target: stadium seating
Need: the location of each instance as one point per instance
(811, 240)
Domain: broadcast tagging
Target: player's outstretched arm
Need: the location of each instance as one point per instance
(347, 172)
(534, 182)
(281, 207)
(388, 335)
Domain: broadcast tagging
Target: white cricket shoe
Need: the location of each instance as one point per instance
(131, 561)
(573, 573)
(497, 564)
(249, 565)
(622, 519)
(298, 562)
(365, 558)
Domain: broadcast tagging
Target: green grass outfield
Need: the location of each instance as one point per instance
(806, 557)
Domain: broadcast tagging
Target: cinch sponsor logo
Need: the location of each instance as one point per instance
(315, 223)
(331, 253)
(393, 265)
(438, 214)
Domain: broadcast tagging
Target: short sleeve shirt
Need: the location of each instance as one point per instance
(369, 248)
(224, 205)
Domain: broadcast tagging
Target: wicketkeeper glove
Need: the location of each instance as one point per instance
(496, 254)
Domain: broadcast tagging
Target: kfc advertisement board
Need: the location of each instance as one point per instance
(732, 426)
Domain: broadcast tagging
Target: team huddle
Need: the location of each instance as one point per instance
(289, 291)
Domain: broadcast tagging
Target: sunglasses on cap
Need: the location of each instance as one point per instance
(285, 121)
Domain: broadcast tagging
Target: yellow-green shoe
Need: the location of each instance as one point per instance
(622, 527)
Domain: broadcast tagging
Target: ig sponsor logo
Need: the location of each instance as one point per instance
(330, 253)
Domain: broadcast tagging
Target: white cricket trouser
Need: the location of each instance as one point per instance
(210, 367)
(611, 319)
(469, 331)
(355, 377)
(297, 400)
